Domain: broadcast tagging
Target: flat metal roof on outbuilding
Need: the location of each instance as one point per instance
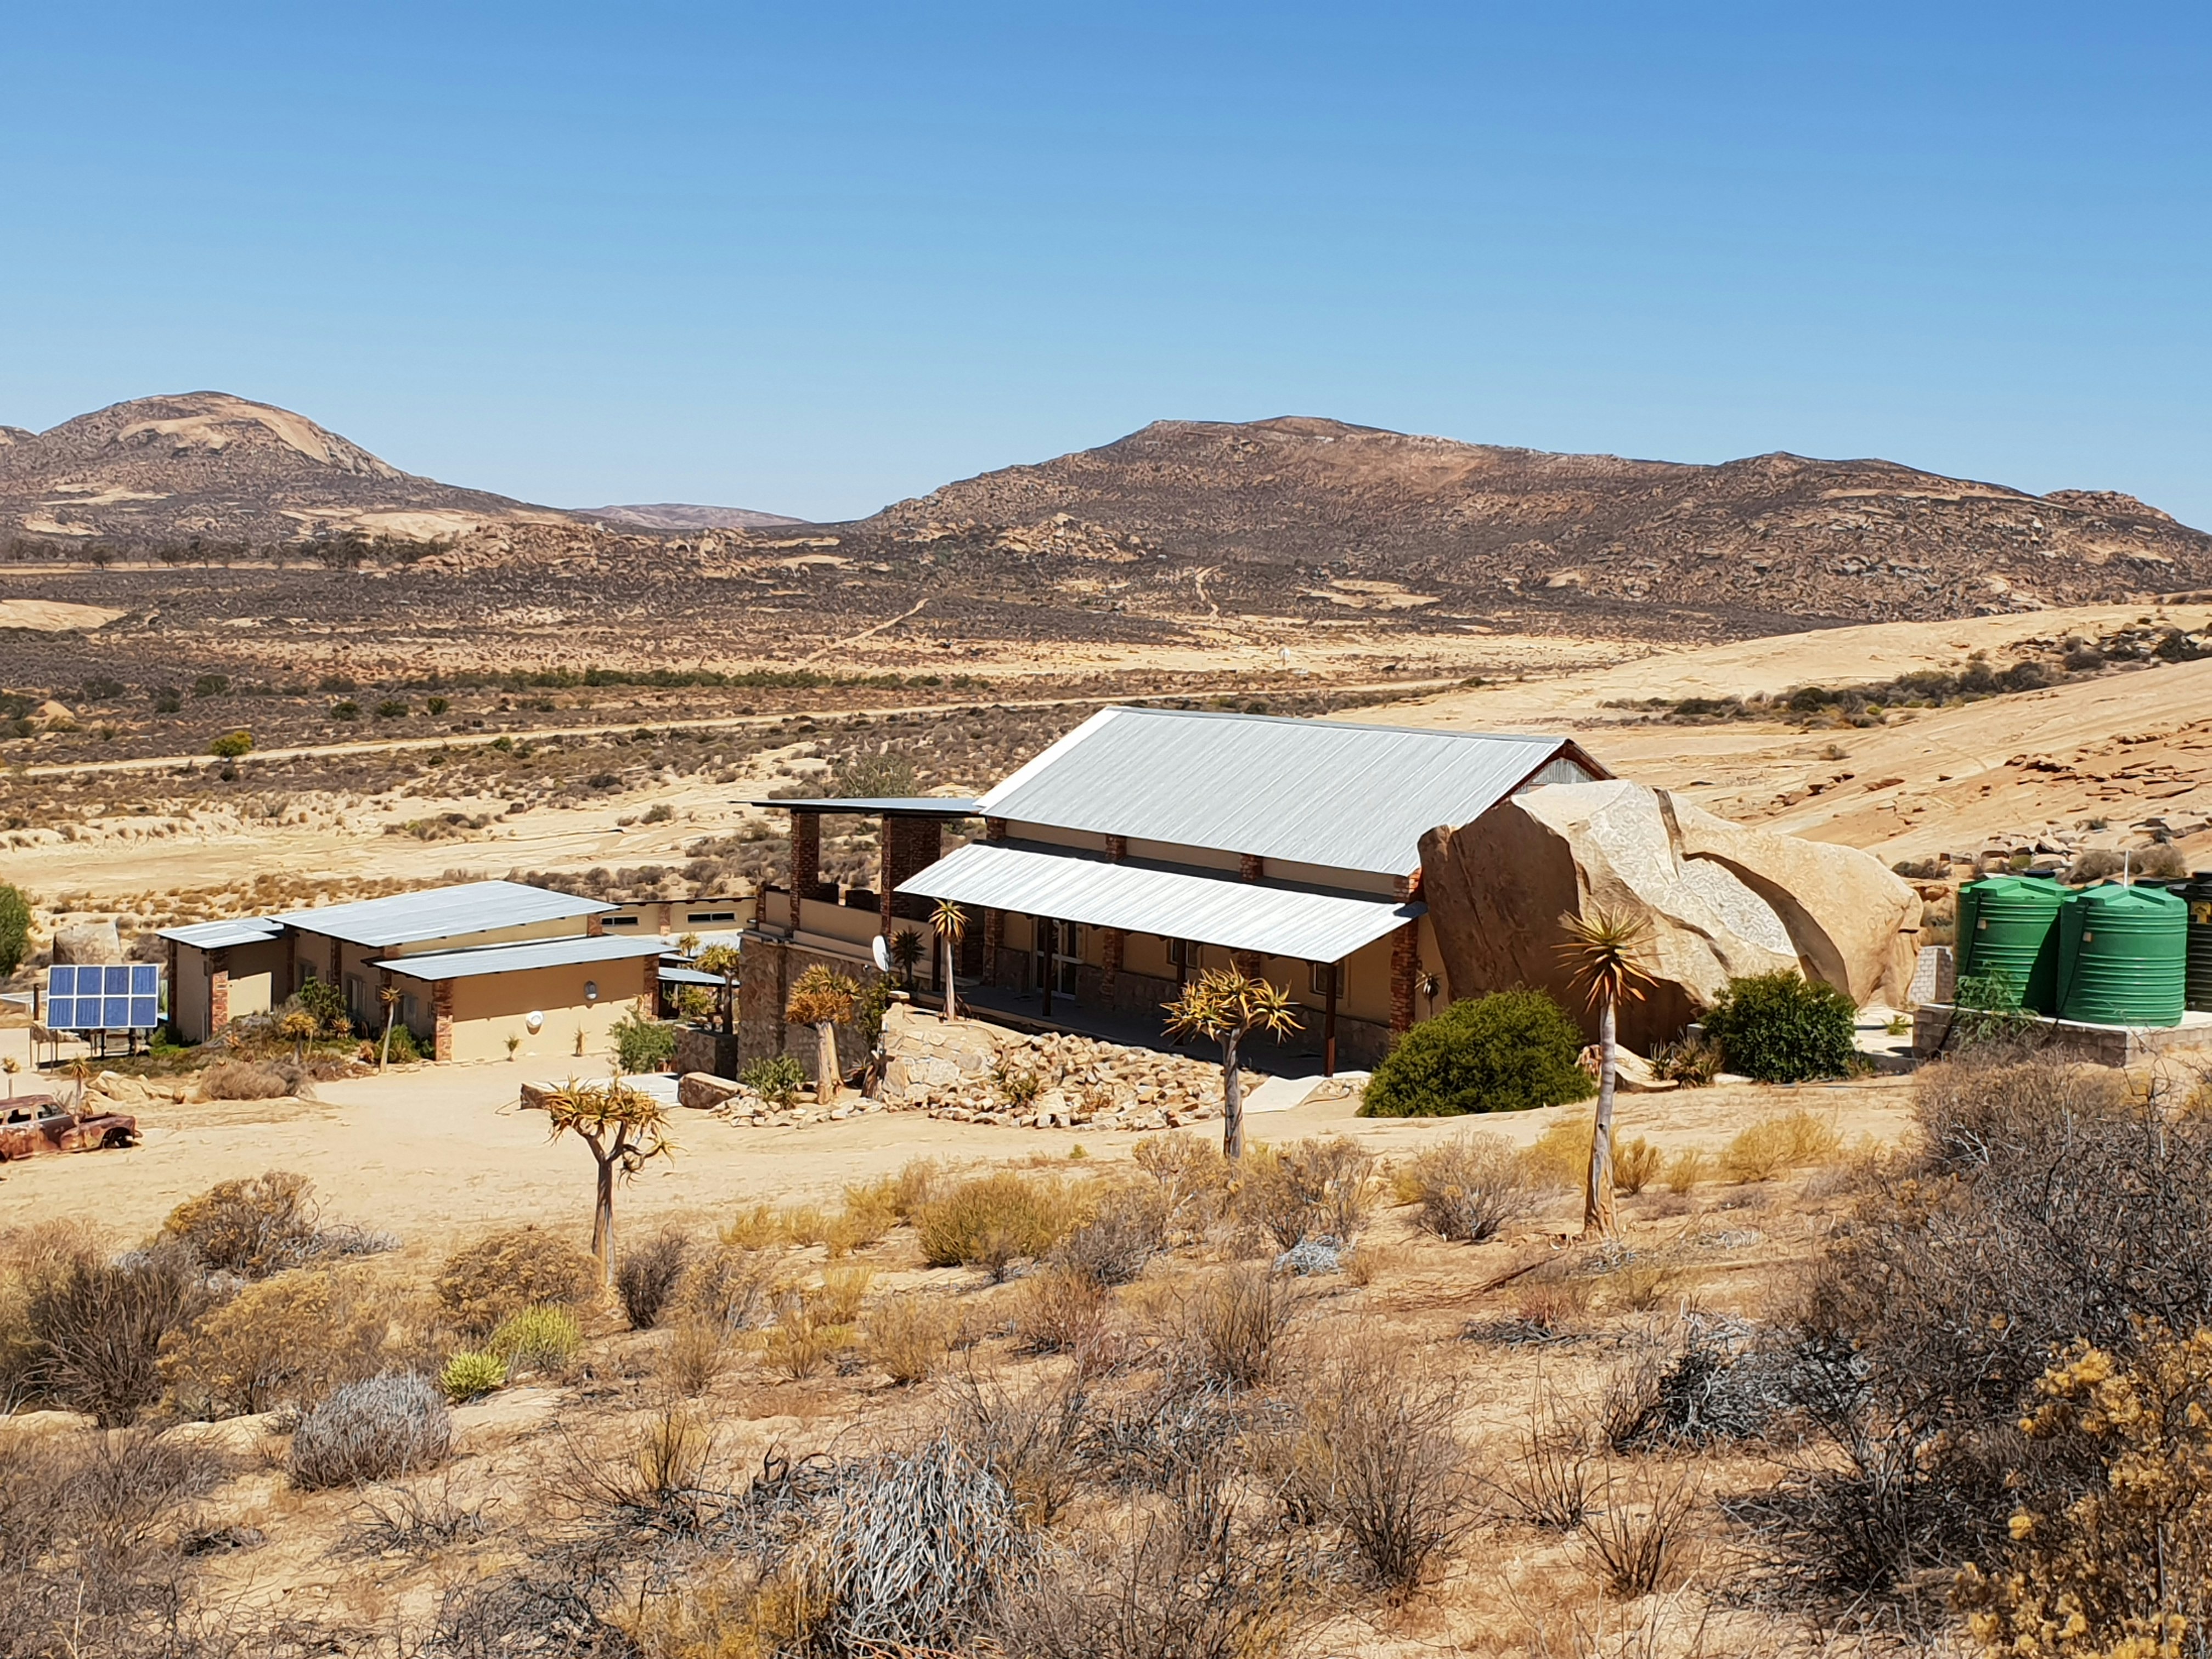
(221, 935)
(1272, 918)
(472, 907)
(522, 958)
(1313, 791)
(888, 806)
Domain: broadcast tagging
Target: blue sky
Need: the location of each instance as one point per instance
(813, 258)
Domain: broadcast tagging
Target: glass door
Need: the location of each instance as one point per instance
(1067, 938)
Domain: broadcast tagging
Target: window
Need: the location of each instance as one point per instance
(712, 915)
(618, 921)
(1182, 953)
(1323, 978)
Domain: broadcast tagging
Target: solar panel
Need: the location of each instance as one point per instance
(110, 996)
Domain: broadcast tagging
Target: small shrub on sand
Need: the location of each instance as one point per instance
(729, 1289)
(1467, 1188)
(1191, 1173)
(647, 1275)
(483, 1283)
(1127, 1230)
(286, 1341)
(909, 1336)
(250, 1228)
(1506, 1052)
(1635, 1164)
(918, 1181)
(991, 1222)
(95, 1328)
(1059, 1309)
(242, 1080)
(1313, 1188)
(540, 1339)
(374, 1430)
(698, 1353)
(842, 1290)
(1639, 1529)
(1688, 1167)
(1774, 1145)
(471, 1376)
(1230, 1325)
(756, 1227)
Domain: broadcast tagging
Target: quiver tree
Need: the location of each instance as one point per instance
(1223, 1006)
(950, 923)
(906, 955)
(1604, 953)
(723, 961)
(389, 996)
(626, 1130)
(824, 998)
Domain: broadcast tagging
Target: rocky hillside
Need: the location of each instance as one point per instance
(682, 516)
(1382, 519)
(205, 464)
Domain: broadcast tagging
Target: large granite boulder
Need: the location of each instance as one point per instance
(1723, 901)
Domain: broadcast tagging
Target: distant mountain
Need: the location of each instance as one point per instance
(210, 464)
(1298, 502)
(677, 515)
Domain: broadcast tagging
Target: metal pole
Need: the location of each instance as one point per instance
(1328, 1023)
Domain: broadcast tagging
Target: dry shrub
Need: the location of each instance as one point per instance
(1058, 1310)
(243, 1079)
(1192, 1175)
(1560, 1157)
(872, 1210)
(1689, 1166)
(806, 1333)
(1775, 1146)
(730, 1289)
(1635, 1165)
(471, 1375)
(920, 1180)
(1546, 1479)
(842, 1290)
(1552, 1302)
(992, 1222)
(1642, 1285)
(1375, 1454)
(758, 1227)
(907, 1337)
(1128, 1229)
(286, 1341)
(504, 1272)
(647, 1278)
(1230, 1325)
(698, 1351)
(1468, 1188)
(251, 1228)
(95, 1328)
(1695, 1381)
(1313, 1188)
(1639, 1529)
(1034, 1437)
(375, 1429)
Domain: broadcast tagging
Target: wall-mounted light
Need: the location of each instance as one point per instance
(590, 990)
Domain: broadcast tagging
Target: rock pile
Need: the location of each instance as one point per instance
(723, 1098)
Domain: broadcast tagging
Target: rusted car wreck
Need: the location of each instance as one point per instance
(31, 1124)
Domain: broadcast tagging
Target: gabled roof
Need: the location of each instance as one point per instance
(531, 953)
(1275, 919)
(472, 907)
(1314, 792)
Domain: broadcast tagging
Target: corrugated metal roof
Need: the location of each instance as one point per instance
(1317, 792)
(1276, 921)
(674, 975)
(221, 935)
(521, 958)
(889, 807)
(472, 907)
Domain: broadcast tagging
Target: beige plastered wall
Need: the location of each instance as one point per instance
(254, 971)
(489, 1008)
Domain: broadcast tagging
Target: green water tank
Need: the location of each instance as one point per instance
(2009, 924)
(2122, 954)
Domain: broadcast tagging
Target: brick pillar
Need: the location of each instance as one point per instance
(994, 942)
(291, 966)
(1405, 968)
(1250, 866)
(994, 829)
(1117, 848)
(594, 925)
(218, 963)
(805, 859)
(1111, 940)
(441, 1001)
(911, 847)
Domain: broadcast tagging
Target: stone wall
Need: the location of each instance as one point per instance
(772, 966)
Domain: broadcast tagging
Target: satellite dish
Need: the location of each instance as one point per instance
(882, 952)
(534, 1021)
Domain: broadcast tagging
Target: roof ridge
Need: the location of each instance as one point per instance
(1319, 724)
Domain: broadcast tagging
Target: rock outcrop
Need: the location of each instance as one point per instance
(1723, 901)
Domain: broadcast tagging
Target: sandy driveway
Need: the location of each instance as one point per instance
(435, 1154)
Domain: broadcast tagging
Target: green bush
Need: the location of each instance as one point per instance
(776, 1079)
(544, 1337)
(1781, 1027)
(15, 928)
(326, 1003)
(231, 744)
(471, 1376)
(992, 1222)
(1506, 1052)
(642, 1044)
